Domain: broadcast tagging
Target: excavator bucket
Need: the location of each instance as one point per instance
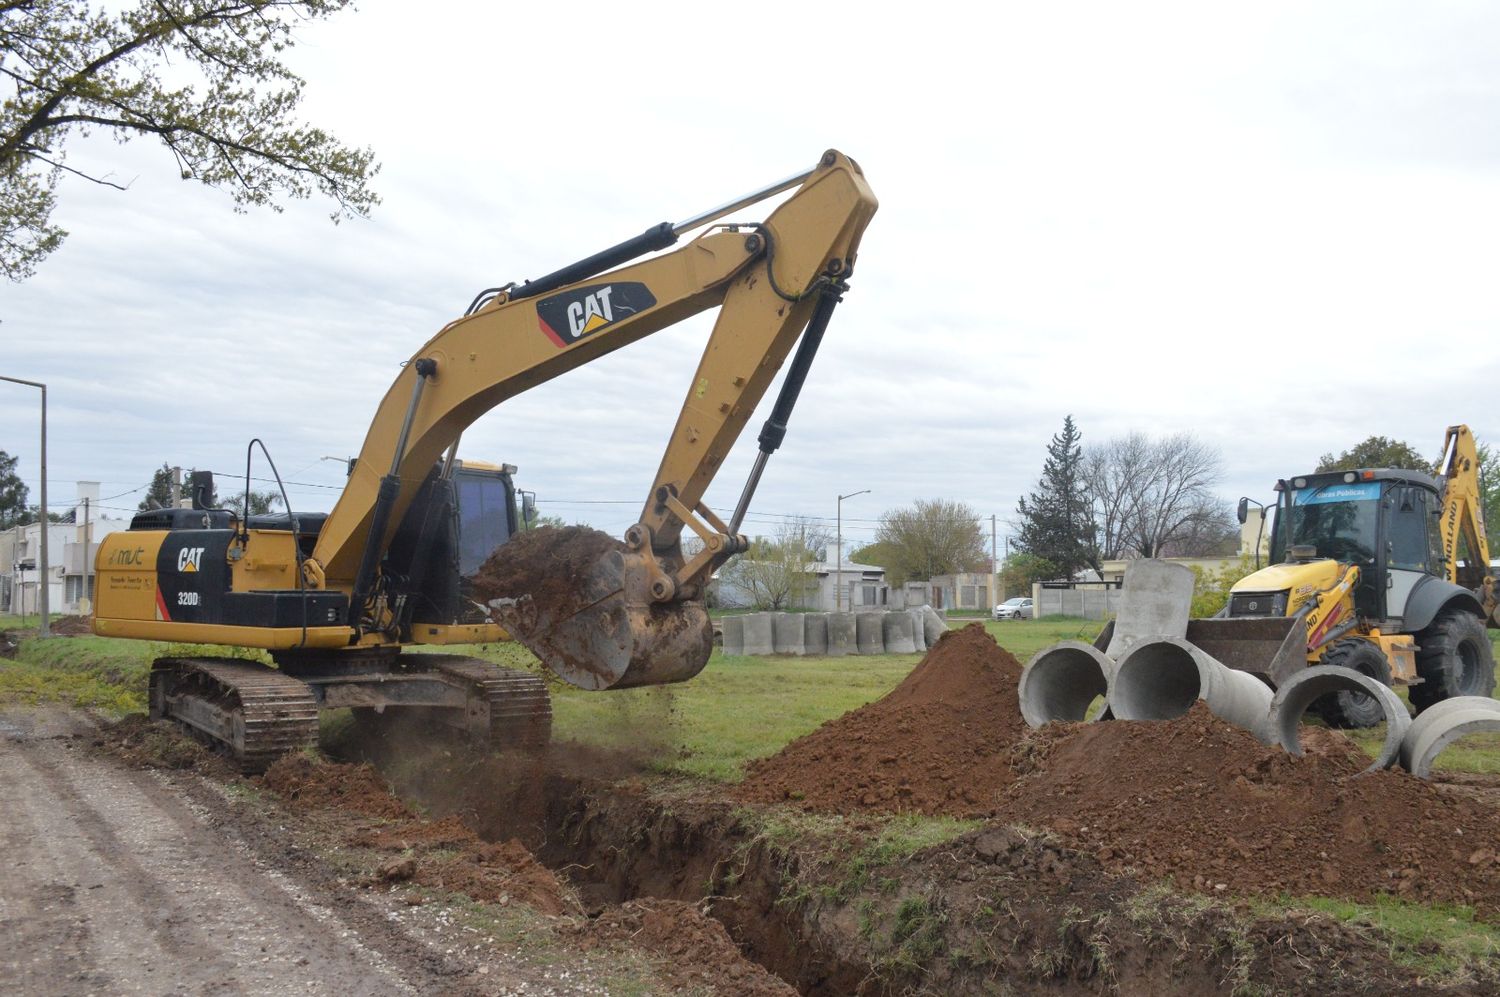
(581, 603)
(1271, 648)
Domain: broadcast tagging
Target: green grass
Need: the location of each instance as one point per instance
(1437, 941)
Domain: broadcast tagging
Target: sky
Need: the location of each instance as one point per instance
(1273, 226)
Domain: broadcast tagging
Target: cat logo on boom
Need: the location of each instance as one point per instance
(571, 316)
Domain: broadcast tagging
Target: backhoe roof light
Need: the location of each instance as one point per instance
(1367, 475)
(1349, 477)
(1299, 482)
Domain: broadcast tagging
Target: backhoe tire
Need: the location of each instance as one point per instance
(1454, 658)
(1348, 708)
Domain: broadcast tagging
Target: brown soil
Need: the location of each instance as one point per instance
(357, 789)
(546, 564)
(72, 626)
(1202, 802)
(938, 743)
(146, 743)
(695, 950)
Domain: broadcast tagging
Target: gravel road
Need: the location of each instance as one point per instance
(116, 880)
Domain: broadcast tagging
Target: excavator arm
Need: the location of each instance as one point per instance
(771, 281)
(1462, 518)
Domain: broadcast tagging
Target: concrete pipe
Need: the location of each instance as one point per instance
(1298, 692)
(1161, 678)
(815, 633)
(787, 631)
(760, 636)
(1061, 682)
(1155, 602)
(933, 625)
(868, 635)
(895, 630)
(841, 639)
(1422, 739)
(918, 629)
(734, 635)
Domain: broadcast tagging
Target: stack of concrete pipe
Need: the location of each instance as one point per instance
(1153, 676)
(897, 631)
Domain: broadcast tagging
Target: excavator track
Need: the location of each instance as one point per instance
(249, 712)
(516, 703)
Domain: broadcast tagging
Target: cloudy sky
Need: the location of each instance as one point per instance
(1276, 226)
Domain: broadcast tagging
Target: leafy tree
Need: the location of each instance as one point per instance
(775, 572)
(931, 537)
(1211, 588)
(1489, 495)
(205, 79)
(1056, 523)
(13, 492)
(878, 554)
(1376, 451)
(1154, 498)
(1021, 571)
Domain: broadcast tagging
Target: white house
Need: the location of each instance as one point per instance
(70, 558)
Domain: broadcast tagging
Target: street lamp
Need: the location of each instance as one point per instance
(838, 570)
(43, 577)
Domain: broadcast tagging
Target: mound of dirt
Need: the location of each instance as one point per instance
(694, 950)
(1202, 802)
(357, 789)
(938, 743)
(147, 743)
(545, 564)
(72, 626)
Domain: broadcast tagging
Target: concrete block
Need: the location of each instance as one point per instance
(918, 629)
(1155, 602)
(895, 630)
(787, 632)
(760, 637)
(933, 625)
(869, 636)
(815, 633)
(733, 628)
(841, 636)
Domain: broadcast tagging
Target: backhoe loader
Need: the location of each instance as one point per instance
(1368, 573)
(334, 598)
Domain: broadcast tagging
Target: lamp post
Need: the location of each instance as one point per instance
(838, 568)
(43, 576)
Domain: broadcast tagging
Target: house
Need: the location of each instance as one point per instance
(966, 590)
(70, 558)
(826, 586)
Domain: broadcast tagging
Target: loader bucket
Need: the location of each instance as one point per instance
(592, 621)
(1272, 648)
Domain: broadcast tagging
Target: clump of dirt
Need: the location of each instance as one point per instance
(147, 743)
(357, 789)
(695, 951)
(1201, 802)
(72, 626)
(546, 564)
(938, 743)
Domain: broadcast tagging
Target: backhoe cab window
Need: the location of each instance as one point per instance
(1338, 520)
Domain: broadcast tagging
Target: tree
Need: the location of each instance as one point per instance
(1489, 495)
(931, 537)
(1154, 498)
(1056, 523)
(13, 492)
(1021, 571)
(205, 79)
(775, 572)
(1376, 451)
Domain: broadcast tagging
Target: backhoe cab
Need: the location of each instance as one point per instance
(1367, 573)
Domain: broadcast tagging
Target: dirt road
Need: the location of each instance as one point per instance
(116, 880)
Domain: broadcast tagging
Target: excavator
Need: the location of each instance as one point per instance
(334, 598)
(1368, 573)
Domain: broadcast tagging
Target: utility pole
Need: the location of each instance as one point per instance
(42, 585)
(176, 487)
(994, 564)
(838, 566)
(88, 561)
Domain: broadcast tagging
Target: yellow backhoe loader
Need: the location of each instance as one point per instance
(335, 597)
(1379, 570)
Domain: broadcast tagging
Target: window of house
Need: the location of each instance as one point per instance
(869, 596)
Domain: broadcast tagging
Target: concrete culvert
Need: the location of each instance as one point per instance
(1161, 679)
(1061, 682)
(1298, 693)
(1422, 739)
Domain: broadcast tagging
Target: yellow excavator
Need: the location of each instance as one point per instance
(334, 597)
(1383, 571)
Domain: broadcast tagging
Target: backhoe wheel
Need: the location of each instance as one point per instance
(1349, 708)
(1454, 658)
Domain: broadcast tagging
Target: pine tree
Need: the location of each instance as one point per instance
(1057, 519)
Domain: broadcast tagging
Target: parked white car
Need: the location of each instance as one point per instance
(1014, 609)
